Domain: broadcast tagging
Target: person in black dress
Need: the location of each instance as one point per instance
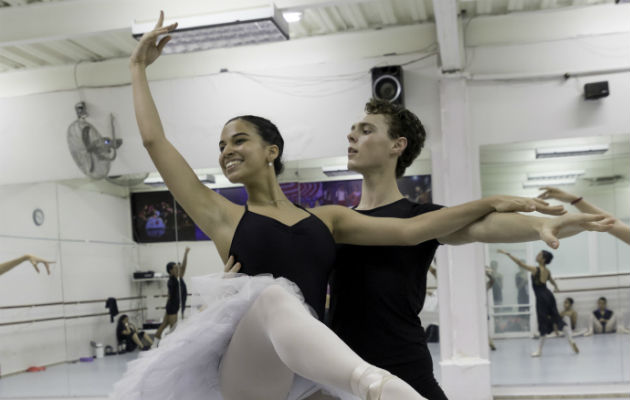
(546, 308)
(130, 337)
(377, 292)
(177, 294)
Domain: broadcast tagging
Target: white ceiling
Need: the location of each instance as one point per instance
(44, 33)
(504, 167)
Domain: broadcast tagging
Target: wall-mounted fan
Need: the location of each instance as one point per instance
(92, 152)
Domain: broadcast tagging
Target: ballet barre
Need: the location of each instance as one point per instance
(67, 317)
(61, 303)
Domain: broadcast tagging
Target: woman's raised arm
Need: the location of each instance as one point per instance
(208, 209)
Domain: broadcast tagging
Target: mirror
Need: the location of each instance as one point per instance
(585, 267)
(112, 241)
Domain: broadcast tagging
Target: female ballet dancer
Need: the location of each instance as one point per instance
(256, 339)
(377, 292)
(546, 308)
(177, 293)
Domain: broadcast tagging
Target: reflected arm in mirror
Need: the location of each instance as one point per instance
(516, 228)
(619, 229)
(8, 265)
(553, 283)
(518, 262)
(184, 262)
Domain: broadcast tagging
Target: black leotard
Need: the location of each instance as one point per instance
(304, 253)
(546, 308)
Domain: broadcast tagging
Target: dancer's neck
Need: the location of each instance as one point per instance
(265, 192)
(379, 188)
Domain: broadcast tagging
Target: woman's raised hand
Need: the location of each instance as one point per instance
(558, 194)
(149, 48)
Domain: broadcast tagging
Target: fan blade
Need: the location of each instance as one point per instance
(92, 164)
(85, 135)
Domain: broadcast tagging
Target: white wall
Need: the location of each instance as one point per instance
(313, 115)
(88, 235)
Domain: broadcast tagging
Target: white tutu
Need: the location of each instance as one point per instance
(185, 366)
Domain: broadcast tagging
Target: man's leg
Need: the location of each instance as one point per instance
(611, 325)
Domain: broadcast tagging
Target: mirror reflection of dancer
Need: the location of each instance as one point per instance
(177, 294)
(619, 229)
(257, 340)
(546, 308)
(34, 260)
(377, 292)
(128, 334)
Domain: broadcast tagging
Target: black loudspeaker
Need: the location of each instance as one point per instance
(596, 90)
(387, 84)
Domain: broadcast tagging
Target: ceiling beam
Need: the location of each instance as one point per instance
(388, 16)
(449, 36)
(69, 19)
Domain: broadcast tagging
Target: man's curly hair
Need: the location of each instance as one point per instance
(401, 123)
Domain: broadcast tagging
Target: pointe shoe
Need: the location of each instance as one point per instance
(536, 354)
(588, 333)
(367, 381)
(575, 348)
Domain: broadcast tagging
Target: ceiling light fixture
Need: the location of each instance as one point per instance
(549, 182)
(555, 175)
(337, 170)
(292, 16)
(571, 151)
(229, 29)
(156, 179)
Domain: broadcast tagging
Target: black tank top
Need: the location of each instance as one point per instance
(377, 292)
(303, 253)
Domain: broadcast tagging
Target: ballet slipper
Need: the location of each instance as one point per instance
(367, 381)
(575, 348)
(536, 354)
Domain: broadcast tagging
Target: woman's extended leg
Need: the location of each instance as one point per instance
(569, 334)
(170, 320)
(277, 337)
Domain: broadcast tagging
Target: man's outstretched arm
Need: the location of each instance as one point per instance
(516, 228)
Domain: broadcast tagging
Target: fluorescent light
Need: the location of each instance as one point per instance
(236, 28)
(292, 16)
(337, 170)
(571, 151)
(555, 175)
(156, 179)
(549, 182)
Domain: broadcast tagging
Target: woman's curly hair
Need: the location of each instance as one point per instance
(402, 123)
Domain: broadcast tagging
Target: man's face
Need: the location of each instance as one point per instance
(369, 145)
(601, 304)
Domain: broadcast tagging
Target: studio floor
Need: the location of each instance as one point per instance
(603, 359)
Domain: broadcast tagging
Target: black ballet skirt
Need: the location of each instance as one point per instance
(546, 308)
(186, 365)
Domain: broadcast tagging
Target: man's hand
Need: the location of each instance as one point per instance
(571, 224)
(524, 204)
